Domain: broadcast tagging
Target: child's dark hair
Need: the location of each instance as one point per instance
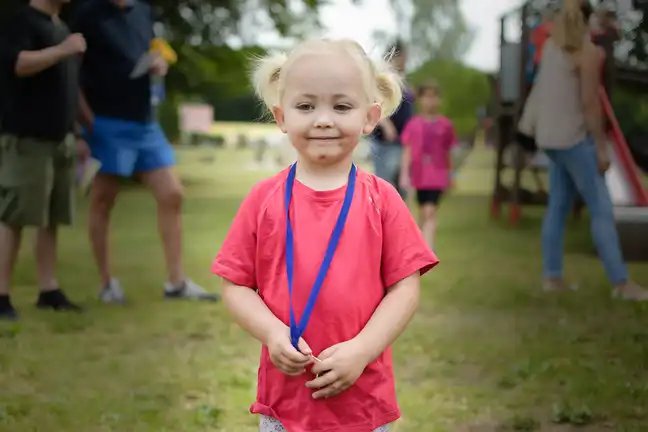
(431, 85)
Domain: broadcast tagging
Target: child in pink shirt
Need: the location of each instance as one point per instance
(323, 260)
(426, 166)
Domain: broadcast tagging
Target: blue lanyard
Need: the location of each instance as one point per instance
(297, 329)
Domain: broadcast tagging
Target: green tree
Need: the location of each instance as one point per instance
(432, 29)
(638, 35)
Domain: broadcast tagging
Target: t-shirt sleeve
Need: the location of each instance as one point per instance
(18, 37)
(404, 250)
(236, 259)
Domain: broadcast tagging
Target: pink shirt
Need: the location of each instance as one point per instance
(430, 143)
(380, 245)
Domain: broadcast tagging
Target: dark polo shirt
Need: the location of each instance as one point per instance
(117, 38)
(44, 105)
(399, 118)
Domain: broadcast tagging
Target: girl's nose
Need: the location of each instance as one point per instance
(323, 119)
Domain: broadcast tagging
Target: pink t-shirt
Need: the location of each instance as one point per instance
(380, 245)
(430, 143)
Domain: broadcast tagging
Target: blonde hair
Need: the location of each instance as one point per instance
(570, 28)
(382, 84)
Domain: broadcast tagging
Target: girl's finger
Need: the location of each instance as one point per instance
(331, 390)
(291, 368)
(322, 381)
(298, 361)
(304, 348)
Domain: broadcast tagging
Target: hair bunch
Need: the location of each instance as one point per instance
(382, 84)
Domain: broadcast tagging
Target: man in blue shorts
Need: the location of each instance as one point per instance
(124, 136)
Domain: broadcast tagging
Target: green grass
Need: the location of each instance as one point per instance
(486, 350)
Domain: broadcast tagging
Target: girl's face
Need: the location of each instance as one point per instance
(429, 101)
(325, 108)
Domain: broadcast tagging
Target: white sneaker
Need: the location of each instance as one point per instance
(557, 286)
(188, 290)
(112, 293)
(632, 292)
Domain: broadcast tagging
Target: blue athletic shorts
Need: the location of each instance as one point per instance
(125, 147)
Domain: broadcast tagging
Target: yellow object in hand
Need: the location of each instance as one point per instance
(162, 47)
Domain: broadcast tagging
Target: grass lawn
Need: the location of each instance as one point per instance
(487, 349)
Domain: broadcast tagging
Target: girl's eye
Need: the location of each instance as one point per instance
(343, 108)
(305, 107)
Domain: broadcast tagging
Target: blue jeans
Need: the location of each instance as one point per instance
(576, 170)
(387, 161)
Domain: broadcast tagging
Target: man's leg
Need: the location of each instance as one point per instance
(111, 144)
(9, 246)
(155, 166)
(103, 194)
(11, 180)
(168, 194)
(60, 209)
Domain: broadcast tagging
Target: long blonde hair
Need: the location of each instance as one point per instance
(570, 27)
(382, 84)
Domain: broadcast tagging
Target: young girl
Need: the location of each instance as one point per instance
(428, 140)
(326, 365)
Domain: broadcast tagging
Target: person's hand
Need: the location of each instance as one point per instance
(159, 66)
(340, 367)
(391, 134)
(404, 181)
(82, 150)
(603, 159)
(284, 356)
(73, 45)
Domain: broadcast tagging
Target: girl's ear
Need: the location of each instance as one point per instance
(278, 114)
(373, 117)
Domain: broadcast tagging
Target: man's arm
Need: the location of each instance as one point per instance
(388, 128)
(29, 62)
(85, 116)
(391, 317)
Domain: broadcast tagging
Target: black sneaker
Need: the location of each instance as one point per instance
(8, 314)
(57, 301)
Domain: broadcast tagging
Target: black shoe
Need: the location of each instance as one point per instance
(57, 301)
(7, 311)
(8, 314)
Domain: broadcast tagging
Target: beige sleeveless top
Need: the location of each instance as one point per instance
(559, 118)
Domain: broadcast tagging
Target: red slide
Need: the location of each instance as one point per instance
(630, 170)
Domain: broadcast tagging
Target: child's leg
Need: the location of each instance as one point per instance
(428, 201)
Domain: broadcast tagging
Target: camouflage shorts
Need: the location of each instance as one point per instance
(37, 181)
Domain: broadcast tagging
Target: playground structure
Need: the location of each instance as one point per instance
(629, 195)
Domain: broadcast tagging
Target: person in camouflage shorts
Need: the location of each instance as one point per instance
(38, 146)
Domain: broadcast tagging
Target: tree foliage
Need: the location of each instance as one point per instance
(432, 29)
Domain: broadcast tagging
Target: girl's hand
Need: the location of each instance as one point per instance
(284, 356)
(340, 367)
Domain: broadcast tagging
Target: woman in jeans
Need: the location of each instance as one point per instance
(569, 127)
